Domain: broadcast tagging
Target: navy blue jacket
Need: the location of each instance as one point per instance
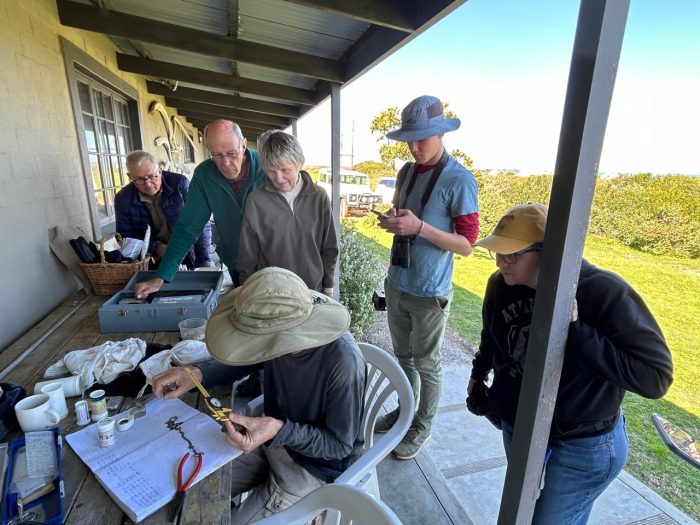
(133, 215)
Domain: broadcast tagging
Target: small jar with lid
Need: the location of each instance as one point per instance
(98, 405)
(106, 431)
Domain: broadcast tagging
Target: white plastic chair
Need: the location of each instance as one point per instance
(384, 377)
(352, 504)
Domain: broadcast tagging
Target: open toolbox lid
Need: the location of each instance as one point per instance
(188, 295)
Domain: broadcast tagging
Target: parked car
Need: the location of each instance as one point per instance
(386, 188)
(355, 192)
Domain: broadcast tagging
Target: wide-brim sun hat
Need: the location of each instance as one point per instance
(520, 227)
(271, 315)
(423, 118)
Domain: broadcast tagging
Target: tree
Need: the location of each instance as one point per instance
(390, 120)
(465, 159)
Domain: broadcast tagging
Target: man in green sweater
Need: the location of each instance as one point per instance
(220, 186)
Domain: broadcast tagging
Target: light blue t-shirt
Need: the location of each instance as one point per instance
(454, 194)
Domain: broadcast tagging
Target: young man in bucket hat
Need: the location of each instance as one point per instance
(614, 345)
(314, 387)
(434, 215)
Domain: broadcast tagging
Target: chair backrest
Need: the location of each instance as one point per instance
(384, 377)
(353, 505)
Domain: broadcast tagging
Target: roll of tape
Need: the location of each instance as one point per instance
(125, 423)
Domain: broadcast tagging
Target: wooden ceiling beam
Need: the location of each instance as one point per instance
(205, 77)
(114, 23)
(250, 135)
(224, 112)
(223, 99)
(262, 126)
(394, 14)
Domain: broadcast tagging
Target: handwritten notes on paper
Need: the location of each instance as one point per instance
(139, 470)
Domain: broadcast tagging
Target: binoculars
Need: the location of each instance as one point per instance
(401, 250)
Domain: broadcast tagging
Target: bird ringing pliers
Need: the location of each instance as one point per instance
(218, 412)
(184, 485)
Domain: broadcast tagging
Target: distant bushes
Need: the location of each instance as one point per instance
(375, 170)
(660, 215)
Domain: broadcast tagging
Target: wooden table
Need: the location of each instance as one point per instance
(74, 325)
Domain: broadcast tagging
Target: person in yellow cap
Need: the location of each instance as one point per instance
(614, 345)
(314, 380)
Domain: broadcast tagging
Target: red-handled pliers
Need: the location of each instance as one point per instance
(182, 487)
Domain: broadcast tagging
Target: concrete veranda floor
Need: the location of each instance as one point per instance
(458, 477)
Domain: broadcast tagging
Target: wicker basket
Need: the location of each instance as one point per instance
(108, 278)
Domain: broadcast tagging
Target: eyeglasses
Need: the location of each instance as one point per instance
(230, 155)
(143, 180)
(513, 258)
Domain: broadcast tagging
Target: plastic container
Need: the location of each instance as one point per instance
(98, 405)
(106, 431)
(192, 329)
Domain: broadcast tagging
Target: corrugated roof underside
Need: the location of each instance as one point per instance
(297, 28)
(271, 22)
(206, 15)
(189, 59)
(275, 76)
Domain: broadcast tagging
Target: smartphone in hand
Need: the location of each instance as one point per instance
(380, 214)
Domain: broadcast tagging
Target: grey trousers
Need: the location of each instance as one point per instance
(417, 327)
(276, 481)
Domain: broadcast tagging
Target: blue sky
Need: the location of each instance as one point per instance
(503, 67)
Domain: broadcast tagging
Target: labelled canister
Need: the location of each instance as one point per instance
(98, 405)
(106, 431)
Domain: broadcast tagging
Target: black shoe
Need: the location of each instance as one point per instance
(250, 387)
(385, 422)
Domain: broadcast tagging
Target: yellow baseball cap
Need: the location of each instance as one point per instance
(520, 227)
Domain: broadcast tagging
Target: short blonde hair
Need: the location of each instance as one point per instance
(277, 149)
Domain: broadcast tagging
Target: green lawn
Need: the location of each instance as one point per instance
(671, 288)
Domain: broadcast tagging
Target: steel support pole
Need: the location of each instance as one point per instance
(294, 129)
(596, 53)
(335, 172)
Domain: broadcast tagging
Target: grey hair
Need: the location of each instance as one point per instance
(138, 157)
(234, 127)
(277, 148)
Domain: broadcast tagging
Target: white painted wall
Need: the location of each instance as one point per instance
(41, 179)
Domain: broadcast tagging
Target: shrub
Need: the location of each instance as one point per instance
(375, 170)
(361, 272)
(649, 213)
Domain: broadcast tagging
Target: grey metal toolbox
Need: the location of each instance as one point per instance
(164, 311)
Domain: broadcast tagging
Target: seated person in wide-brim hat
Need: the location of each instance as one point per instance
(314, 379)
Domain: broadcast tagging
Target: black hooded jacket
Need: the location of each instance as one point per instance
(614, 346)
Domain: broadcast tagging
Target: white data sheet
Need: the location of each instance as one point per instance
(140, 470)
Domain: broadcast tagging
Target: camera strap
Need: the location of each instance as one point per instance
(401, 177)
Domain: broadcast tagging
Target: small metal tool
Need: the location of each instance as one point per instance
(218, 413)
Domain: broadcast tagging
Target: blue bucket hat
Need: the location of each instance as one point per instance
(421, 119)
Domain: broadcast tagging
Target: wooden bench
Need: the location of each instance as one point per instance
(74, 325)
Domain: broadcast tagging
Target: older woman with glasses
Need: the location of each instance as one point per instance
(220, 187)
(614, 345)
(287, 221)
(156, 198)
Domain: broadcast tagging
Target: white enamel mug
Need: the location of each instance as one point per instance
(35, 413)
(56, 398)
